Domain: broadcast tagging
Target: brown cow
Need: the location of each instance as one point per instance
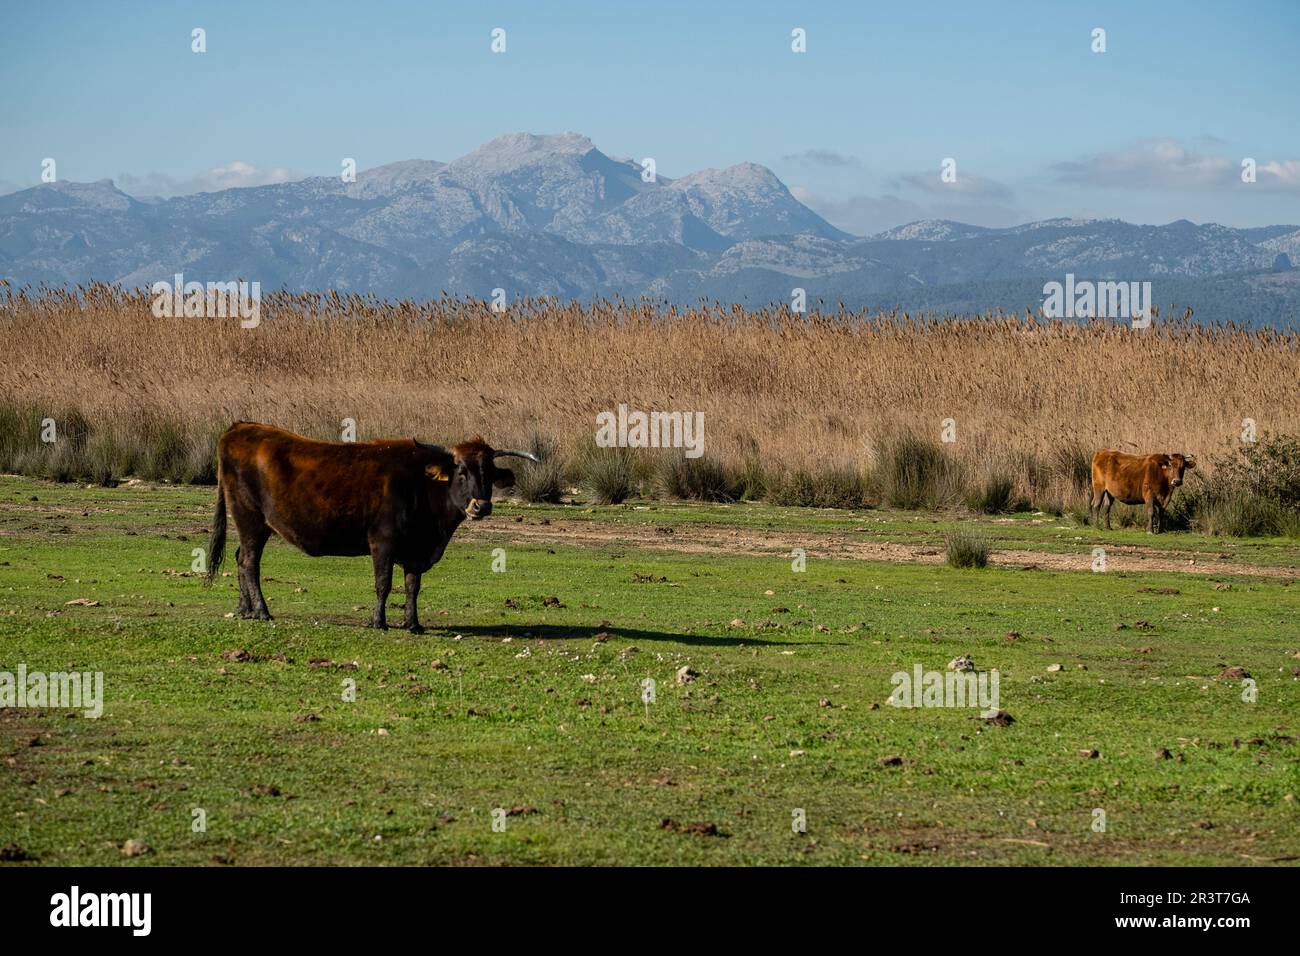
(1135, 480)
(397, 500)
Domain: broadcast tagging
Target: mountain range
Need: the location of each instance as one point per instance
(553, 215)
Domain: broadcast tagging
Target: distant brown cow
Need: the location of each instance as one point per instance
(1135, 480)
(397, 500)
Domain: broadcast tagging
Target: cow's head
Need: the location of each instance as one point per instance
(471, 474)
(1178, 464)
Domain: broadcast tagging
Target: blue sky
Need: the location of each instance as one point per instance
(1152, 130)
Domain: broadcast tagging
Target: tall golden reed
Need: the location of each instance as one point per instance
(800, 391)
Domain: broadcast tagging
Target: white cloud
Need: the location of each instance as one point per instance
(966, 185)
(865, 215)
(233, 175)
(1284, 174)
(1167, 164)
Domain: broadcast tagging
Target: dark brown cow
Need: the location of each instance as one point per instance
(397, 500)
(1135, 480)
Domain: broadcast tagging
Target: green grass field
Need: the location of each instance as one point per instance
(534, 706)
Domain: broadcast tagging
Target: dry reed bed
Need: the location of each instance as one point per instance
(797, 391)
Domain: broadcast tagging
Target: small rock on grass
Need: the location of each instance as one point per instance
(685, 675)
(135, 848)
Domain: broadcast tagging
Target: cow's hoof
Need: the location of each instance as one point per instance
(415, 628)
(377, 625)
(262, 615)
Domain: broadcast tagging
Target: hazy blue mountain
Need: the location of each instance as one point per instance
(553, 215)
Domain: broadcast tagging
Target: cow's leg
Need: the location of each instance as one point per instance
(1094, 505)
(412, 620)
(1152, 509)
(253, 534)
(383, 559)
(1110, 500)
(245, 602)
(251, 565)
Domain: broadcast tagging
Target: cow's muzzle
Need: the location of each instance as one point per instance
(1176, 482)
(478, 508)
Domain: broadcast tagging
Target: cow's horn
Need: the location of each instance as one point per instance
(515, 453)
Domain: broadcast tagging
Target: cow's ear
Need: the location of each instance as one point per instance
(1190, 463)
(437, 473)
(504, 478)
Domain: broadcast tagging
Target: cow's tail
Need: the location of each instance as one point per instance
(217, 543)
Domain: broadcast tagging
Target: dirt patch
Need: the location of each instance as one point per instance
(713, 539)
(709, 538)
(693, 829)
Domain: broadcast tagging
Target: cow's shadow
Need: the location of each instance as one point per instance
(569, 632)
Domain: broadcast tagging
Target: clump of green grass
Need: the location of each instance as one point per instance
(608, 473)
(1076, 507)
(966, 550)
(841, 486)
(835, 487)
(696, 479)
(1255, 491)
(1246, 515)
(993, 494)
(1073, 463)
(540, 482)
(25, 447)
(914, 473)
(108, 458)
(753, 479)
(791, 489)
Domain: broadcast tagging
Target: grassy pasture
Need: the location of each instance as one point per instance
(536, 708)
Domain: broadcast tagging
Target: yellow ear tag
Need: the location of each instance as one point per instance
(436, 473)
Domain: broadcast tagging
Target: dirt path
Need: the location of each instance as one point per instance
(708, 538)
(711, 539)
